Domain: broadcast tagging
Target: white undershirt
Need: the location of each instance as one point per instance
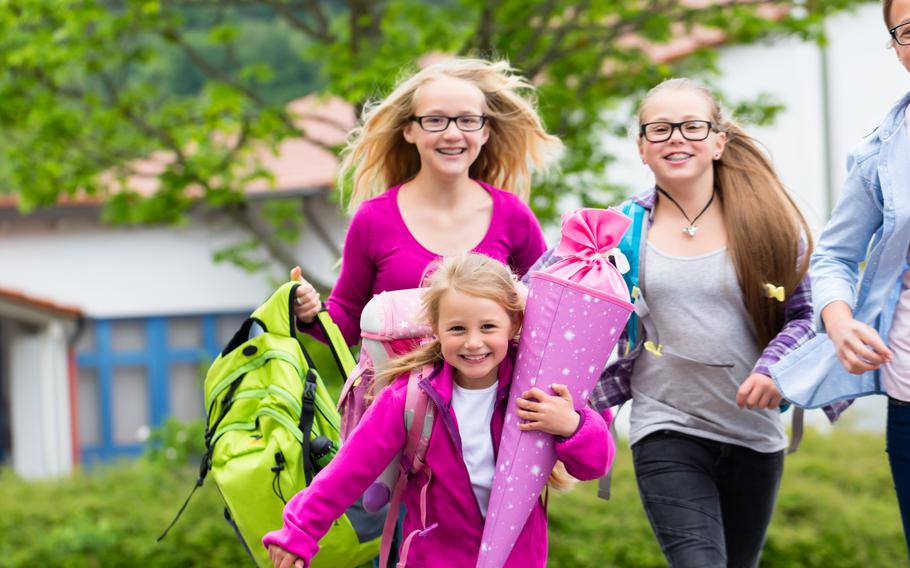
(896, 373)
(474, 411)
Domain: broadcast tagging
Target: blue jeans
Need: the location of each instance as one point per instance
(709, 503)
(898, 445)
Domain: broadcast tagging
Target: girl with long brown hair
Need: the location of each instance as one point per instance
(723, 293)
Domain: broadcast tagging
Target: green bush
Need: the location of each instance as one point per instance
(836, 509)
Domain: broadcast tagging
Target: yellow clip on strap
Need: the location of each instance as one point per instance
(654, 348)
(775, 292)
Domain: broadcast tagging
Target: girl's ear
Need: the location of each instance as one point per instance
(641, 150)
(485, 134)
(408, 132)
(720, 143)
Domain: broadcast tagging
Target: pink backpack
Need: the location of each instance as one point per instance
(389, 328)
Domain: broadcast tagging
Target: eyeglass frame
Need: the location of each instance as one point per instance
(449, 120)
(893, 32)
(676, 126)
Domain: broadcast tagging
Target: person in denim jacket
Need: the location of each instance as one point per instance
(861, 283)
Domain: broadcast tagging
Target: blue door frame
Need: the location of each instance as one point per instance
(156, 358)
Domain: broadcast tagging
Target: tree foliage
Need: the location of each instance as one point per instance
(90, 86)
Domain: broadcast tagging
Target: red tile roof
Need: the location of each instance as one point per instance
(41, 304)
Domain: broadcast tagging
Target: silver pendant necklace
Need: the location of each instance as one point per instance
(691, 229)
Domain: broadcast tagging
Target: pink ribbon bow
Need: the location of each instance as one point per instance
(589, 239)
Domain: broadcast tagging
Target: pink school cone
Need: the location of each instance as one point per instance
(576, 311)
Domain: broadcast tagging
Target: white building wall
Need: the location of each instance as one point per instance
(39, 400)
(113, 272)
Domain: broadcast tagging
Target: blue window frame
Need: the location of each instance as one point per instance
(141, 369)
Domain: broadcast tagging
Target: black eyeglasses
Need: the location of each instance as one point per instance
(438, 123)
(901, 33)
(692, 130)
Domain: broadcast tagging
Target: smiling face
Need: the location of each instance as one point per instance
(451, 152)
(679, 161)
(474, 335)
(900, 14)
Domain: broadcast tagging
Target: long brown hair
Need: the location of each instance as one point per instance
(473, 274)
(886, 10)
(764, 226)
(377, 156)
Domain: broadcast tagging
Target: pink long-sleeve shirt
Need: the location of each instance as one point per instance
(381, 254)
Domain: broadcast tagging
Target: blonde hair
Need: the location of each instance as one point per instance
(377, 156)
(764, 226)
(476, 275)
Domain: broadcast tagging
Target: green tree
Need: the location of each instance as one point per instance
(89, 86)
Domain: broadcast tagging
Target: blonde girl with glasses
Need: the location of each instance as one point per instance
(475, 309)
(441, 166)
(722, 270)
(860, 278)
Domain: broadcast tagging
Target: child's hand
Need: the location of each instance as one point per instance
(281, 558)
(306, 304)
(758, 391)
(547, 413)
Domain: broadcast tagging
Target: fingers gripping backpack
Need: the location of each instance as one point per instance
(271, 426)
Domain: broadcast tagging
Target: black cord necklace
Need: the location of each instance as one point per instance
(691, 229)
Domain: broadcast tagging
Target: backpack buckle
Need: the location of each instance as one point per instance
(309, 396)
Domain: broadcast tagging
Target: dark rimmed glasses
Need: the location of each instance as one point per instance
(692, 130)
(439, 123)
(901, 33)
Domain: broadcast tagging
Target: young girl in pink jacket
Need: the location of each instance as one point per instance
(475, 310)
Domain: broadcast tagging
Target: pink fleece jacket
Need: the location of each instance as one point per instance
(587, 454)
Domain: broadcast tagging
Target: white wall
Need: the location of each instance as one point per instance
(135, 271)
(39, 400)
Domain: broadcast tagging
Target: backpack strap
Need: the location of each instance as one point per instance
(419, 414)
(337, 345)
(630, 246)
(307, 413)
(796, 428)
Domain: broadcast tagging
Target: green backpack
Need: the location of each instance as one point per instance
(271, 426)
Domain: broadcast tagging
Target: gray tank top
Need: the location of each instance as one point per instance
(697, 307)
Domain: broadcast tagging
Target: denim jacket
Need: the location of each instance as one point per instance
(870, 223)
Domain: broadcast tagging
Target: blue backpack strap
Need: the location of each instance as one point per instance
(630, 245)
